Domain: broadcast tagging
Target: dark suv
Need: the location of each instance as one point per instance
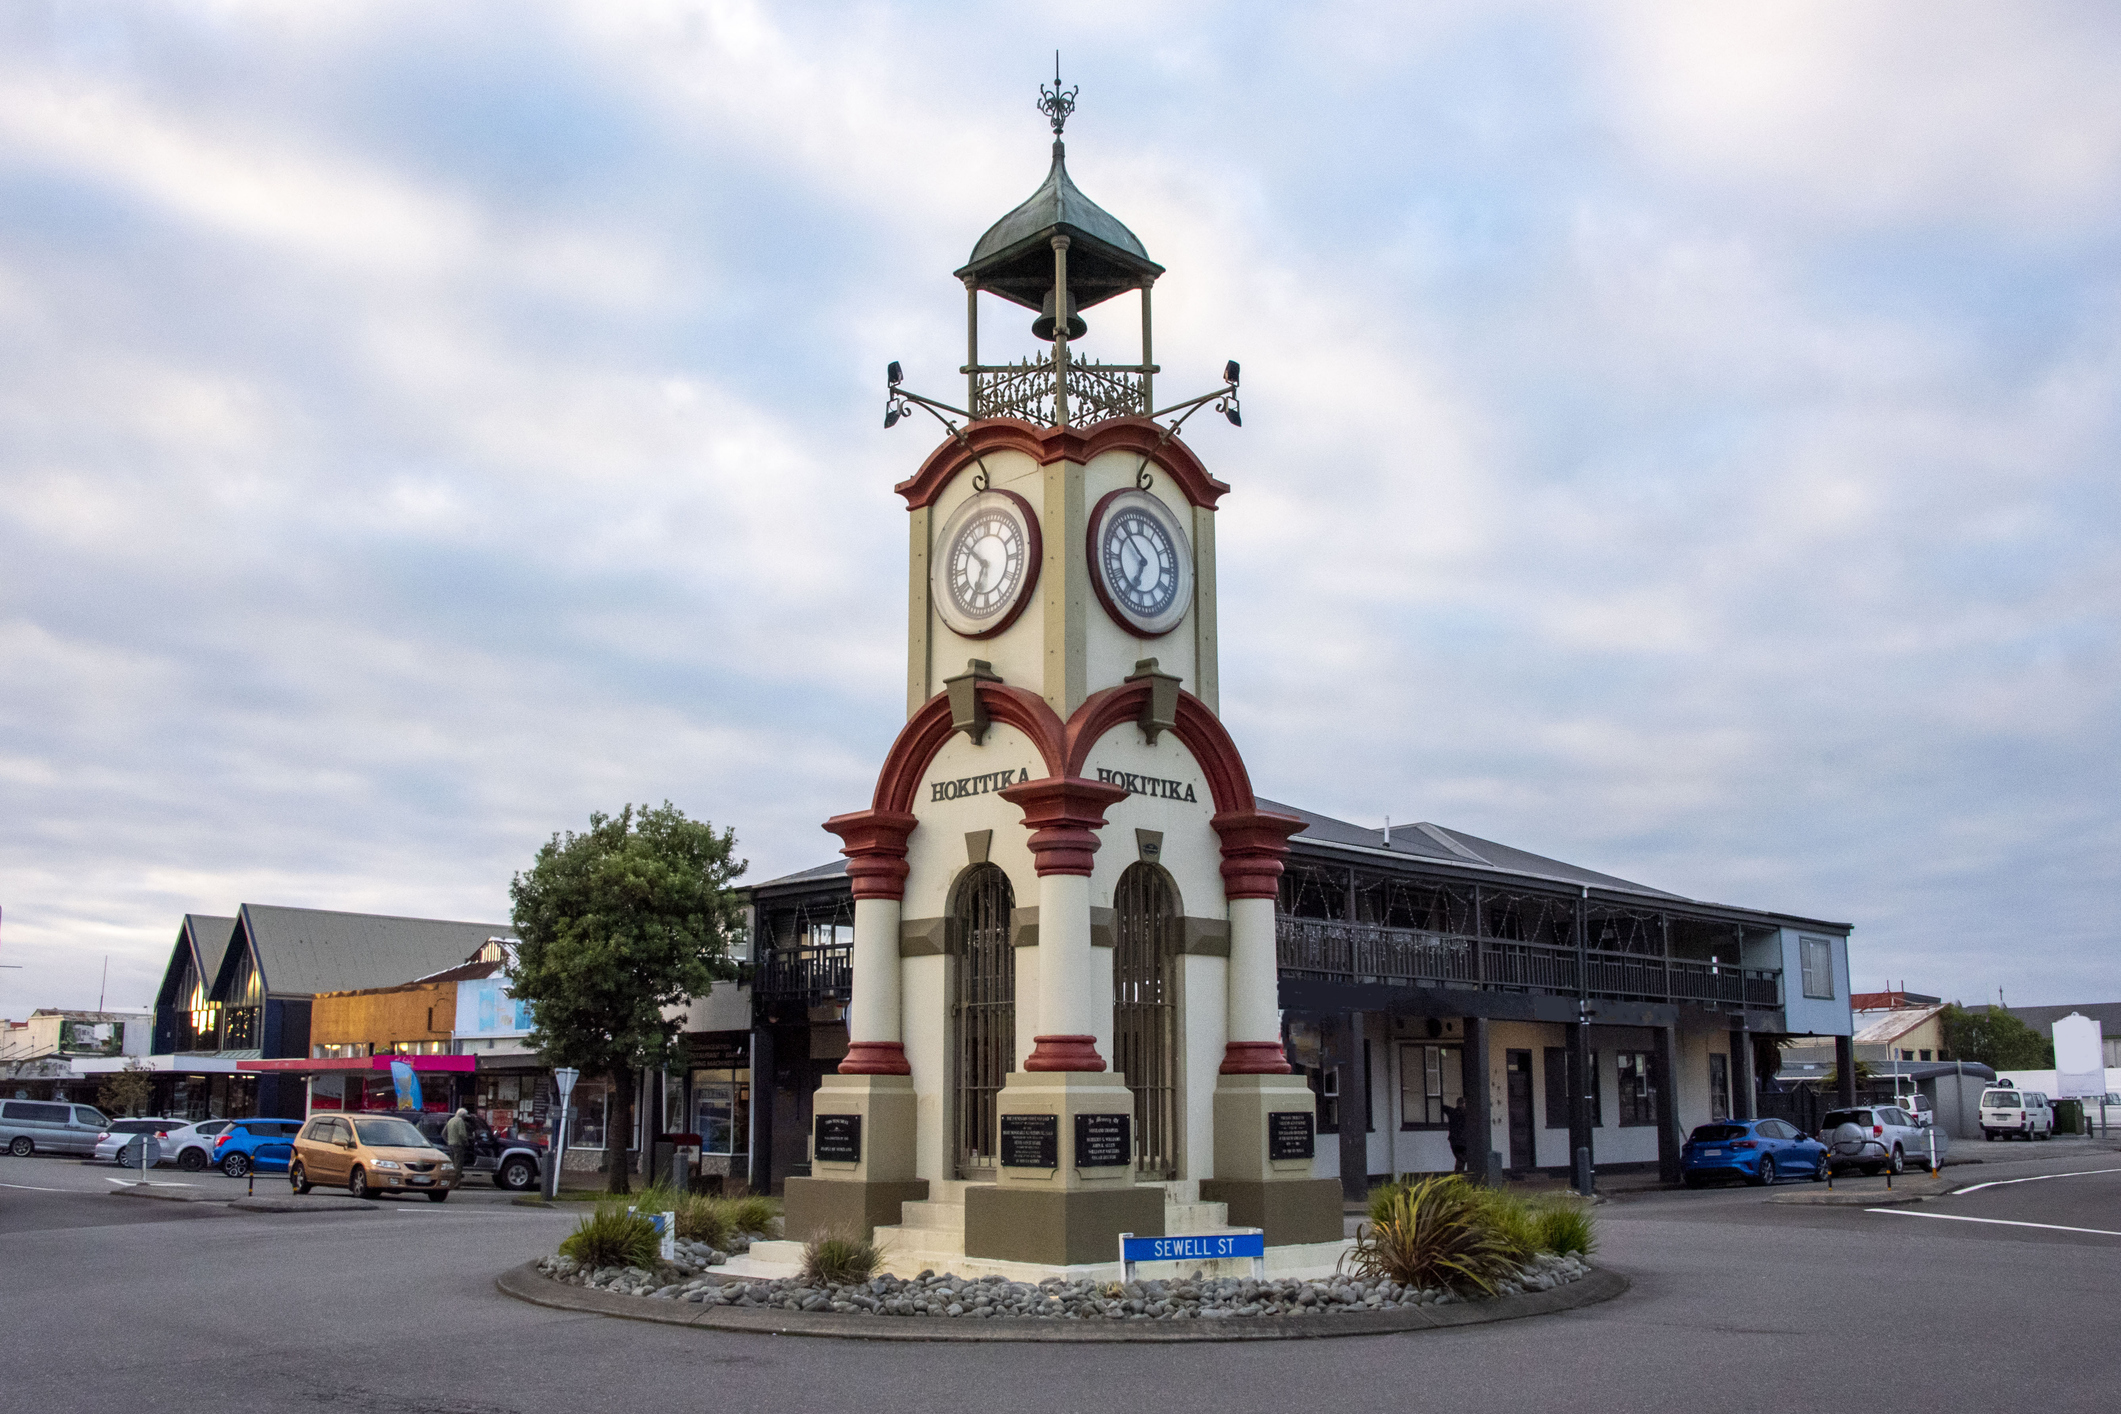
(510, 1163)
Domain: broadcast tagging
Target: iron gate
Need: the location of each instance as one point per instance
(1145, 1013)
(982, 1012)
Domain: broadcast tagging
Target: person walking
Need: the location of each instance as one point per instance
(1454, 1119)
(457, 1135)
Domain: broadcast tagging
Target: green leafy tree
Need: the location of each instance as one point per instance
(128, 1092)
(1995, 1038)
(617, 925)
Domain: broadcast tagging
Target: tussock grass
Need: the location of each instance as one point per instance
(839, 1258)
(612, 1237)
(1436, 1232)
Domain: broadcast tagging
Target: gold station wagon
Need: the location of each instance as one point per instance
(369, 1155)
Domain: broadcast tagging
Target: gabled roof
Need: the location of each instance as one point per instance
(303, 951)
(203, 939)
(2040, 1018)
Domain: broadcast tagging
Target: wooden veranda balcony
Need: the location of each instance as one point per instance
(819, 975)
(1370, 955)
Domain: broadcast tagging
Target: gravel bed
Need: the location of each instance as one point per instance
(986, 1298)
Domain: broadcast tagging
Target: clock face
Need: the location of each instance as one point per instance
(986, 560)
(1141, 562)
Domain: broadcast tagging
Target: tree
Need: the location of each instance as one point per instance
(617, 925)
(1995, 1038)
(128, 1092)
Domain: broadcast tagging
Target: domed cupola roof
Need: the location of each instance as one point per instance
(1015, 258)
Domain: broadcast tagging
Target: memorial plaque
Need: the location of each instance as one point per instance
(1030, 1141)
(1289, 1134)
(1104, 1141)
(839, 1139)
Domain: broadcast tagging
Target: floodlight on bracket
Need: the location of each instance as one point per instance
(898, 401)
(1225, 400)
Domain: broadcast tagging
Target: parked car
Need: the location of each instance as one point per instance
(247, 1144)
(1756, 1150)
(2006, 1111)
(369, 1155)
(1877, 1139)
(119, 1142)
(49, 1127)
(192, 1147)
(512, 1163)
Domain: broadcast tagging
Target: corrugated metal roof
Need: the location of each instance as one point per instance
(209, 934)
(303, 951)
(834, 870)
(2040, 1018)
(1423, 840)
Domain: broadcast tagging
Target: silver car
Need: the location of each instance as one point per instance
(192, 1147)
(50, 1127)
(120, 1143)
(1878, 1139)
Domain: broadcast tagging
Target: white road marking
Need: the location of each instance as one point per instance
(1995, 1222)
(33, 1188)
(137, 1183)
(2036, 1178)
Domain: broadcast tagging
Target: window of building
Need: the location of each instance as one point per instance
(1431, 1078)
(1719, 1086)
(1557, 1066)
(1923, 1055)
(721, 1110)
(585, 1113)
(1817, 957)
(1638, 1095)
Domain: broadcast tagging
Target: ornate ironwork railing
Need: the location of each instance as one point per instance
(817, 976)
(1024, 389)
(1366, 953)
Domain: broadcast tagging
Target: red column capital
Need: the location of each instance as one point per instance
(1255, 842)
(1064, 814)
(875, 846)
(875, 1058)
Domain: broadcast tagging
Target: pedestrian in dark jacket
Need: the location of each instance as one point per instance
(457, 1135)
(1454, 1120)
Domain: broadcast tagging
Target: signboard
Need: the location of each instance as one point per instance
(1104, 1141)
(1030, 1141)
(1198, 1247)
(1289, 1134)
(722, 1054)
(2080, 1058)
(839, 1139)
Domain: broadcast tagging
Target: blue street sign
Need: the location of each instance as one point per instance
(1194, 1247)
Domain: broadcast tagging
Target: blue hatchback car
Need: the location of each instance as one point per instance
(256, 1144)
(1756, 1150)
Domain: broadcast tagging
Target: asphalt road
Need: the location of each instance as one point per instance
(1738, 1304)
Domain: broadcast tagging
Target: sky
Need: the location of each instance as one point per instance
(1679, 439)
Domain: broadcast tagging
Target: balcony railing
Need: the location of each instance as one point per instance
(1365, 953)
(815, 976)
(1096, 391)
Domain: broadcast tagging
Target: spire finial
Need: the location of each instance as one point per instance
(1057, 103)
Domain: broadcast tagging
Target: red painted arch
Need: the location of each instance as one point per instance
(924, 735)
(1046, 445)
(1200, 730)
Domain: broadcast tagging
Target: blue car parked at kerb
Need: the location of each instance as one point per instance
(1756, 1150)
(256, 1144)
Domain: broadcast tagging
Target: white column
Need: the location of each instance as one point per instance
(1254, 996)
(1066, 1000)
(873, 1014)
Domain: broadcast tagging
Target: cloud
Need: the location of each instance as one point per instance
(1676, 439)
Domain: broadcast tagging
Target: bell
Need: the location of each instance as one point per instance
(1042, 327)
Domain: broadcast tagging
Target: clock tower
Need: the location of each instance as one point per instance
(1063, 1022)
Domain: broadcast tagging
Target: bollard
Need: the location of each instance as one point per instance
(1584, 1178)
(251, 1190)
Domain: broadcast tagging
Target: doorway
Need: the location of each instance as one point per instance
(1518, 1068)
(982, 1013)
(1145, 1013)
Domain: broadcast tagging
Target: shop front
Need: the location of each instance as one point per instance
(383, 1082)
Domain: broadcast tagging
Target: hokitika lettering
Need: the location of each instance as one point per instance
(977, 785)
(1148, 785)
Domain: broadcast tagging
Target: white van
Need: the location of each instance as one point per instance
(2005, 1112)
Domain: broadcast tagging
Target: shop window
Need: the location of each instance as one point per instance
(1719, 1086)
(1431, 1080)
(721, 1110)
(1557, 1068)
(585, 1114)
(1638, 1094)
(1816, 956)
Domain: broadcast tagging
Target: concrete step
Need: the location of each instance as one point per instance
(920, 1246)
(928, 1213)
(1188, 1218)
